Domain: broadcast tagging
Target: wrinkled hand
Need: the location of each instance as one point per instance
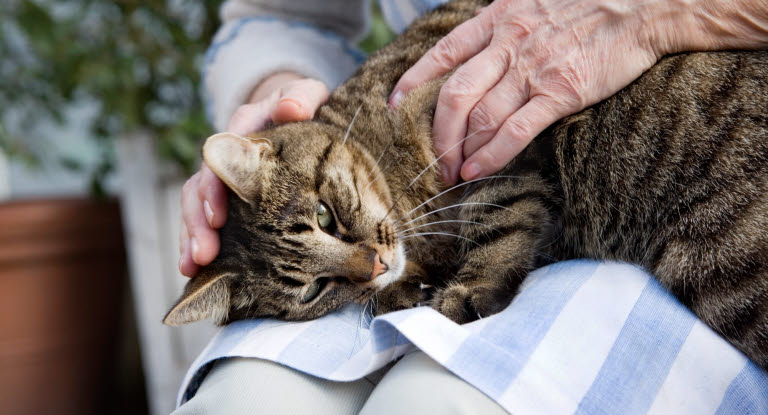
(281, 98)
(528, 64)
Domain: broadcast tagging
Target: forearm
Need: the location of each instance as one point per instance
(700, 25)
(252, 46)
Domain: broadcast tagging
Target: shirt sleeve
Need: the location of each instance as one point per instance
(261, 37)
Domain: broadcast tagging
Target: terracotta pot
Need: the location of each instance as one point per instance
(62, 269)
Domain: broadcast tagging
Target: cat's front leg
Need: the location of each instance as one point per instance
(409, 291)
(507, 221)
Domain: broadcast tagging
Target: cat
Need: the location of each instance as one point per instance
(671, 173)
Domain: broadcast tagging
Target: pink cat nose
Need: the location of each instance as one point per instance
(378, 267)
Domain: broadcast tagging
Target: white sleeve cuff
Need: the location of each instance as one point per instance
(247, 50)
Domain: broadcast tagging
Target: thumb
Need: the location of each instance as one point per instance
(299, 100)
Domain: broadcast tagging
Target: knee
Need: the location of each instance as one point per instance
(418, 384)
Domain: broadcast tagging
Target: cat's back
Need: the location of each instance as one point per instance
(679, 155)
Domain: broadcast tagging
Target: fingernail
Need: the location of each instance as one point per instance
(470, 171)
(208, 212)
(195, 247)
(396, 98)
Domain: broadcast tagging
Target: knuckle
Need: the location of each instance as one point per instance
(568, 85)
(445, 53)
(517, 129)
(456, 90)
(480, 118)
(440, 147)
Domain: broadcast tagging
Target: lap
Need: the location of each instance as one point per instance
(416, 384)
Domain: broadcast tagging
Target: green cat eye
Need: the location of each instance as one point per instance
(324, 215)
(312, 291)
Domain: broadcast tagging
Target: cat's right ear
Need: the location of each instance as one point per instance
(205, 296)
(236, 160)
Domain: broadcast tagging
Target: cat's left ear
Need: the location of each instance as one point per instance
(237, 160)
(206, 295)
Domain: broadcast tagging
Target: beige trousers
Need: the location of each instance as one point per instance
(415, 385)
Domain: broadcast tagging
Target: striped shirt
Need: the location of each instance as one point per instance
(582, 337)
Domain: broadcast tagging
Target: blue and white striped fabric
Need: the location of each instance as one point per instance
(582, 337)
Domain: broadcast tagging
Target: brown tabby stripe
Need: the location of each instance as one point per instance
(319, 168)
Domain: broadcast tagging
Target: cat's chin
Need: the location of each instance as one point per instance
(396, 269)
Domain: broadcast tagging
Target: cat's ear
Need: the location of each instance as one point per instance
(206, 295)
(236, 160)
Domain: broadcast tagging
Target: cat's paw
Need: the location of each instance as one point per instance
(463, 304)
(400, 296)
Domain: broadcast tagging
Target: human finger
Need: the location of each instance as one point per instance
(498, 104)
(458, 96)
(463, 42)
(187, 266)
(203, 240)
(250, 118)
(299, 100)
(516, 132)
(212, 193)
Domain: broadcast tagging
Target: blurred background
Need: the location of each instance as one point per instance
(101, 119)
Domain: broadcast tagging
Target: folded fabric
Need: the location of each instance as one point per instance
(581, 337)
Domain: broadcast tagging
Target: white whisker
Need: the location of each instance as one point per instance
(442, 155)
(457, 205)
(443, 221)
(456, 187)
(439, 233)
(350, 124)
(430, 165)
(381, 155)
(377, 176)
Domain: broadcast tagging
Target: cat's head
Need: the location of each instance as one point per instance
(308, 228)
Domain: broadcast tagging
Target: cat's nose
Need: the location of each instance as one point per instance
(379, 267)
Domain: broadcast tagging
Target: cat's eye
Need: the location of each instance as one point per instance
(313, 290)
(324, 216)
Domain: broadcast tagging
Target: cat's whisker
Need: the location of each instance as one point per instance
(386, 147)
(429, 166)
(439, 233)
(457, 205)
(377, 176)
(456, 187)
(442, 155)
(402, 232)
(351, 123)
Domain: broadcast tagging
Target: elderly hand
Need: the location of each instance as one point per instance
(529, 63)
(282, 98)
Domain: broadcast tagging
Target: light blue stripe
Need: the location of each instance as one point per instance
(384, 333)
(642, 355)
(747, 394)
(322, 347)
(519, 329)
(231, 336)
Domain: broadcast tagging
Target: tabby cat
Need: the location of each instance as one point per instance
(671, 173)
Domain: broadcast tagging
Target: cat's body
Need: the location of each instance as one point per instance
(671, 173)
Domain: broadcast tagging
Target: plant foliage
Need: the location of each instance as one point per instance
(137, 60)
